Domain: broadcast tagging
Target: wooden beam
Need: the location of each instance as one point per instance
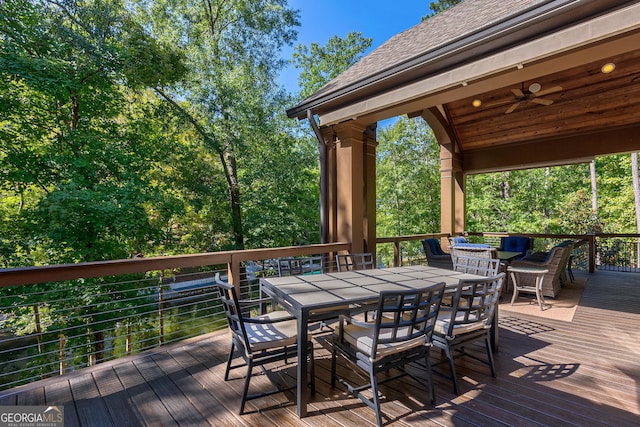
(549, 152)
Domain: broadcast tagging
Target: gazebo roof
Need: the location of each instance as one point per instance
(491, 51)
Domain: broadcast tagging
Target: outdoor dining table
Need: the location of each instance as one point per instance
(301, 295)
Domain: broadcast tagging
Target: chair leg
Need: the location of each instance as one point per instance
(452, 368)
(376, 397)
(229, 359)
(490, 356)
(245, 392)
(333, 367)
(430, 385)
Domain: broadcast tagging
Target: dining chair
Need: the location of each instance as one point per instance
(481, 266)
(400, 334)
(261, 339)
(469, 320)
(347, 262)
(294, 266)
(350, 262)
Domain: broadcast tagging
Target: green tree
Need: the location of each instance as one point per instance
(321, 64)
(65, 139)
(408, 179)
(228, 97)
(440, 6)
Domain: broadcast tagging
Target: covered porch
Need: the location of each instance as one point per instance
(504, 85)
(549, 372)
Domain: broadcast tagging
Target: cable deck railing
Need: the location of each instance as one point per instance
(62, 318)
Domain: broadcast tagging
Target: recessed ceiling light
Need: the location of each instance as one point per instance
(476, 103)
(608, 67)
(534, 87)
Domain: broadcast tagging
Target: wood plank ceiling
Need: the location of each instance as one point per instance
(589, 101)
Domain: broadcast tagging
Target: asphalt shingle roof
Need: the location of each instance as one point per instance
(462, 20)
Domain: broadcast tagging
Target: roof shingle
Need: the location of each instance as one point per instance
(462, 20)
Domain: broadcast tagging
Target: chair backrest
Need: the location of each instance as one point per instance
(481, 266)
(516, 244)
(233, 312)
(432, 247)
(346, 262)
(406, 316)
(473, 251)
(473, 305)
(295, 266)
(454, 240)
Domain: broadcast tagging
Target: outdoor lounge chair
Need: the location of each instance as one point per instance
(516, 244)
(555, 261)
(436, 257)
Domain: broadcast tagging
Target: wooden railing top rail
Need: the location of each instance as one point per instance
(410, 237)
(54, 273)
(535, 235)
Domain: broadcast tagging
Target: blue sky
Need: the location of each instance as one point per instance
(377, 19)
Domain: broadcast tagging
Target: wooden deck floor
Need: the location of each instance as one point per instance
(584, 372)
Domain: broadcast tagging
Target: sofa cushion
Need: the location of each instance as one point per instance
(472, 245)
(516, 244)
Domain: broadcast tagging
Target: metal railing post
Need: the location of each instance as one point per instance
(592, 253)
(161, 310)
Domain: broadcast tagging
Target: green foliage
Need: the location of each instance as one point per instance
(320, 64)
(440, 6)
(408, 179)
(282, 204)
(553, 200)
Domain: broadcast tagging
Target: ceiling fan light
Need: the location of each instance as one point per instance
(535, 87)
(608, 67)
(476, 103)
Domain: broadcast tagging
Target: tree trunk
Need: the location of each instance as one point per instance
(98, 340)
(507, 186)
(228, 160)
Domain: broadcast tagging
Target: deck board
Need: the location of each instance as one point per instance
(549, 372)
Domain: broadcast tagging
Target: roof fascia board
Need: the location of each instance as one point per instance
(602, 28)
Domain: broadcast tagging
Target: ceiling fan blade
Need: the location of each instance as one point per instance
(542, 101)
(548, 91)
(517, 92)
(513, 107)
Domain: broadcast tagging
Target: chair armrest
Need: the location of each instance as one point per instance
(530, 263)
(255, 300)
(266, 304)
(267, 320)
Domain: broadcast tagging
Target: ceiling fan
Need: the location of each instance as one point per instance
(533, 94)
